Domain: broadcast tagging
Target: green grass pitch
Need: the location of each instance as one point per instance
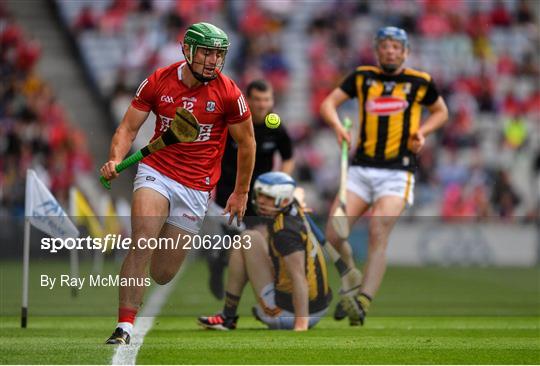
(421, 316)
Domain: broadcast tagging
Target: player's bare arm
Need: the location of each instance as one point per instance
(294, 263)
(122, 140)
(329, 113)
(243, 134)
(438, 115)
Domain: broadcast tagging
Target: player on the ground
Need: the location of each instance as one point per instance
(172, 186)
(390, 99)
(260, 98)
(288, 274)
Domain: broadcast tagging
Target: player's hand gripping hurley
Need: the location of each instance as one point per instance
(340, 221)
(184, 128)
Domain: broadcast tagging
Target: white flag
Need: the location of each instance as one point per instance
(44, 212)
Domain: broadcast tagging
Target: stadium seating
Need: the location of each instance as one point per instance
(482, 56)
(34, 129)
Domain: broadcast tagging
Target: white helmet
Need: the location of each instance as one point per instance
(278, 185)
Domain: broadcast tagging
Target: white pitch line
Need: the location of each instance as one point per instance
(127, 354)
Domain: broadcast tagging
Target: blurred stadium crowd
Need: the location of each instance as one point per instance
(34, 129)
(483, 55)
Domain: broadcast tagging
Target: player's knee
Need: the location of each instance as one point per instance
(378, 234)
(235, 256)
(255, 237)
(146, 226)
(161, 276)
(332, 236)
(139, 255)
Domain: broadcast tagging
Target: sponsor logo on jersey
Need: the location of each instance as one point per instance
(150, 178)
(268, 145)
(167, 99)
(386, 105)
(210, 106)
(205, 132)
(189, 217)
(189, 103)
(165, 123)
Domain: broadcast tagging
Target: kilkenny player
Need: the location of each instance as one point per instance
(288, 274)
(172, 185)
(260, 99)
(390, 100)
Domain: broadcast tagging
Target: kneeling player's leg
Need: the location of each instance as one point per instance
(260, 270)
(236, 281)
(286, 319)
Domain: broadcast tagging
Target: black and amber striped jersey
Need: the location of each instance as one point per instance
(390, 109)
(287, 235)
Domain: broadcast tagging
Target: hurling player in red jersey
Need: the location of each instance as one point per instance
(172, 185)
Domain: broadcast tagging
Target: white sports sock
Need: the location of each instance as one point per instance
(127, 327)
(267, 295)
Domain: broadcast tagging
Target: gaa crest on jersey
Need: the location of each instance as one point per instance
(407, 88)
(389, 86)
(210, 106)
(167, 99)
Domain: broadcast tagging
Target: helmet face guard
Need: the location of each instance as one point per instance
(207, 36)
(277, 185)
(395, 34)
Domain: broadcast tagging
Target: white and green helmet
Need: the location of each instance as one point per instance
(205, 35)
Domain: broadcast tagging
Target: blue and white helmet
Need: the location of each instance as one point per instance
(278, 185)
(394, 33)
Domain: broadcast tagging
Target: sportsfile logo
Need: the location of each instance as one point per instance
(386, 106)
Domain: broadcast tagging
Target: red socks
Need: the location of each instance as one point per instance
(127, 315)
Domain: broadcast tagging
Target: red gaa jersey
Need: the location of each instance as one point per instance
(216, 105)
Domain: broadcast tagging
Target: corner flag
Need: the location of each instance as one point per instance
(44, 212)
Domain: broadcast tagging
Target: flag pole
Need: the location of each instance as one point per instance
(26, 268)
(73, 253)
(39, 202)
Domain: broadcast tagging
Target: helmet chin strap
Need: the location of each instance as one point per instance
(271, 210)
(199, 76)
(196, 75)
